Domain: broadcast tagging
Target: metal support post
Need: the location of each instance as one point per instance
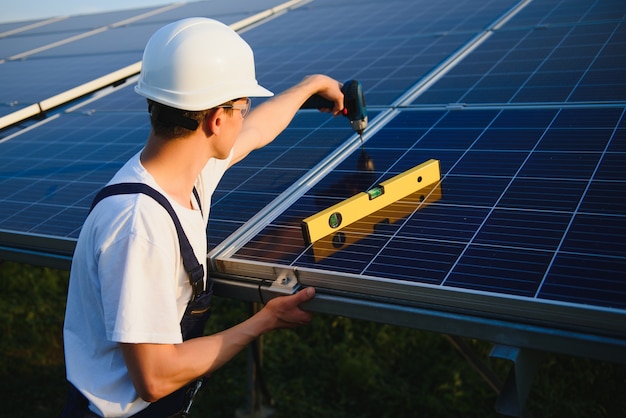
(519, 381)
(257, 390)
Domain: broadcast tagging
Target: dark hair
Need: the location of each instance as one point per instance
(170, 122)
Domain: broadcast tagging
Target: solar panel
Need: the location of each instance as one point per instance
(50, 59)
(377, 45)
(91, 127)
(547, 61)
(529, 130)
(23, 53)
(505, 213)
(51, 168)
(522, 104)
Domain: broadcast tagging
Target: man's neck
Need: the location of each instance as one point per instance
(175, 165)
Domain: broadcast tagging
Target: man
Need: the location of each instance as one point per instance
(129, 289)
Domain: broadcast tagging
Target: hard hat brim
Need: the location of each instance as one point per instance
(260, 91)
(200, 101)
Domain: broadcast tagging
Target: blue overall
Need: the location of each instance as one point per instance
(198, 310)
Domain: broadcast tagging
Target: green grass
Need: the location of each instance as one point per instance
(335, 367)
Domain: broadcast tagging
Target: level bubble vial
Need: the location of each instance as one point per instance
(374, 192)
(334, 220)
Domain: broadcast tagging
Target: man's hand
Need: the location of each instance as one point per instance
(328, 89)
(286, 309)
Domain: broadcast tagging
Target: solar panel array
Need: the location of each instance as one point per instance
(51, 170)
(569, 56)
(52, 173)
(50, 57)
(529, 130)
(386, 57)
(522, 102)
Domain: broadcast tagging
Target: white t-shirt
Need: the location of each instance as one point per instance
(128, 284)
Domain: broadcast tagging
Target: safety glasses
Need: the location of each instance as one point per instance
(243, 107)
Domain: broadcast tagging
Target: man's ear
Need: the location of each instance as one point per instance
(213, 121)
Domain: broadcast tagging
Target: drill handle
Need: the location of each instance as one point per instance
(354, 104)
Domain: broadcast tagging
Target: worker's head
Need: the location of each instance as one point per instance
(194, 65)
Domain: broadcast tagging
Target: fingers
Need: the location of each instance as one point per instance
(339, 101)
(305, 318)
(331, 90)
(301, 317)
(287, 311)
(305, 294)
(300, 297)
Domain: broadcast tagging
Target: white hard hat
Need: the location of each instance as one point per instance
(197, 64)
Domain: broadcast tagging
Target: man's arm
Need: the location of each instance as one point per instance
(266, 121)
(157, 370)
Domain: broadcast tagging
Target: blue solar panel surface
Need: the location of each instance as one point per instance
(573, 54)
(92, 141)
(49, 59)
(373, 43)
(517, 205)
(528, 125)
(529, 129)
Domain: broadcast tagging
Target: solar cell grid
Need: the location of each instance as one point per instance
(530, 211)
(50, 59)
(7, 28)
(60, 167)
(564, 12)
(386, 51)
(86, 22)
(551, 63)
(225, 11)
(508, 219)
(47, 77)
(12, 45)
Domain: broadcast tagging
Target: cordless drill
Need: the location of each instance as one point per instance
(353, 105)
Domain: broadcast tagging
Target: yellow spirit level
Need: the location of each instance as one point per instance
(365, 203)
(376, 222)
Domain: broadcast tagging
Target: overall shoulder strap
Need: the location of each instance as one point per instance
(190, 262)
(197, 196)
